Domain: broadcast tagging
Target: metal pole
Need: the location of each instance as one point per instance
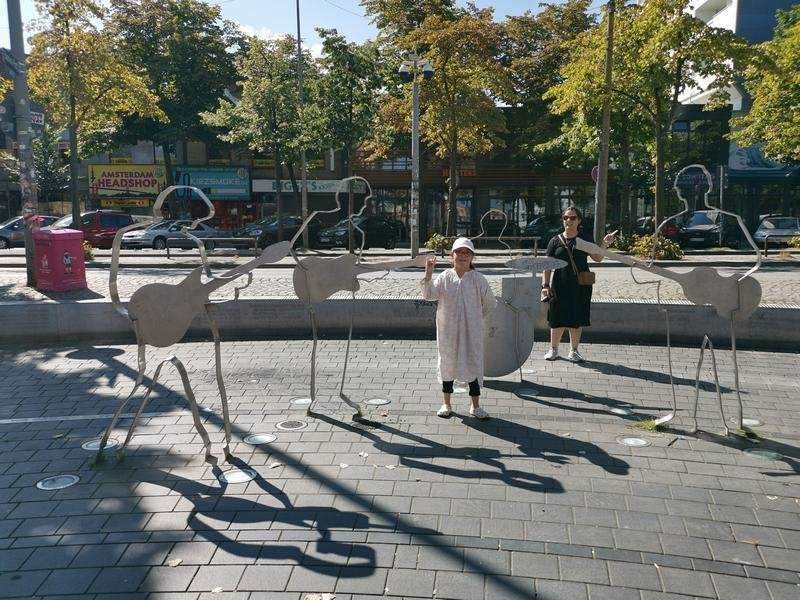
(601, 189)
(721, 216)
(414, 209)
(303, 166)
(27, 175)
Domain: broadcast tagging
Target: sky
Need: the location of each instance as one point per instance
(275, 17)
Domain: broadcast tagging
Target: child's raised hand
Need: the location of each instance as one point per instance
(430, 265)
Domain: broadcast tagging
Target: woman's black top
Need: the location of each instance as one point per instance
(570, 305)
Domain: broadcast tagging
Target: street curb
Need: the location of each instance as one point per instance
(772, 327)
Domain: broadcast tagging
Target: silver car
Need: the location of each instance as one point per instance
(156, 236)
(12, 232)
(777, 230)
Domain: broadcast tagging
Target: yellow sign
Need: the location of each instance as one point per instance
(125, 181)
(125, 203)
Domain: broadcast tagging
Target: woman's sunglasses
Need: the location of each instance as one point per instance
(569, 217)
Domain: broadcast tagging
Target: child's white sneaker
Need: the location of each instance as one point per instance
(575, 356)
(444, 412)
(478, 413)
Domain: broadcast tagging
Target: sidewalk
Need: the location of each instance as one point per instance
(541, 499)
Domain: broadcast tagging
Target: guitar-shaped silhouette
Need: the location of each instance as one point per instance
(164, 312)
(732, 296)
(316, 279)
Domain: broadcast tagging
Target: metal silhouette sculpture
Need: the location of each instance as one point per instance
(161, 314)
(733, 297)
(316, 279)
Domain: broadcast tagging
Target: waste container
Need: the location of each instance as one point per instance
(59, 260)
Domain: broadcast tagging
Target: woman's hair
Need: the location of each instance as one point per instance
(576, 210)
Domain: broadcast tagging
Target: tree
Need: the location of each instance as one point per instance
(660, 51)
(535, 49)
(188, 55)
(396, 18)
(267, 117)
(75, 72)
(52, 174)
(774, 84)
(460, 116)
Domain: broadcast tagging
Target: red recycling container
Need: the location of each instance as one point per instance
(59, 260)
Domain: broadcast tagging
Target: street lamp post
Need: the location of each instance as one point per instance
(303, 164)
(408, 72)
(601, 189)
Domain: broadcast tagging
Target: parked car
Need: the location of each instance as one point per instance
(644, 226)
(378, 229)
(776, 230)
(267, 230)
(12, 232)
(549, 226)
(99, 226)
(156, 236)
(701, 229)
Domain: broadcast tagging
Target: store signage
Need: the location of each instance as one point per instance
(315, 186)
(125, 203)
(126, 181)
(37, 118)
(219, 183)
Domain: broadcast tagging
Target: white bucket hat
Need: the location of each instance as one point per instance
(463, 242)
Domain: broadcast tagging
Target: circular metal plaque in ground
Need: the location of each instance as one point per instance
(94, 445)
(527, 392)
(256, 439)
(620, 410)
(749, 422)
(58, 482)
(762, 453)
(300, 401)
(632, 441)
(238, 476)
(378, 401)
(291, 425)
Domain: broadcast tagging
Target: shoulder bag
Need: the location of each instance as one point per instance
(584, 277)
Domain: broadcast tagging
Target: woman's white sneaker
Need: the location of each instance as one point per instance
(444, 412)
(551, 354)
(575, 356)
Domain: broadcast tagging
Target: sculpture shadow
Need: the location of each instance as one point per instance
(648, 375)
(532, 443)
(546, 391)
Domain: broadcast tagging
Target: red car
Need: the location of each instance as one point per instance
(99, 226)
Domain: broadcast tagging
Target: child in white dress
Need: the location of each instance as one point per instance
(464, 299)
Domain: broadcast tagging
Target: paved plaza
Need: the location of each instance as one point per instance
(540, 501)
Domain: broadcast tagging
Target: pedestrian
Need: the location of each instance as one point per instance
(465, 298)
(569, 290)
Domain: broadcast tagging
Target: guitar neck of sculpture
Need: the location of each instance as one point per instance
(419, 261)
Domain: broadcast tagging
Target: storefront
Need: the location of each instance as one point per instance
(228, 188)
(321, 196)
(132, 188)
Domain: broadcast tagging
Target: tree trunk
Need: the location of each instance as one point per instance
(278, 193)
(452, 190)
(169, 176)
(350, 202)
(658, 208)
(73, 165)
(626, 219)
(295, 186)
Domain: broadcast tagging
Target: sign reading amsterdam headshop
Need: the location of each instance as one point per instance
(218, 183)
(126, 181)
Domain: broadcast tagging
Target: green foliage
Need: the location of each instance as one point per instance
(659, 51)
(76, 72)
(88, 251)
(347, 101)
(398, 17)
(624, 242)
(52, 175)
(774, 84)
(665, 250)
(440, 243)
(794, 242)
(187, 52)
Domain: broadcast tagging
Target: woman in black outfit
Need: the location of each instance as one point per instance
(569, 302)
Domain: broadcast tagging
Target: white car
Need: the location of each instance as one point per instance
(777, 230)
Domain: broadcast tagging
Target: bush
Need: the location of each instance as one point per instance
(88, 251)
(794, 242)
(440, 243)
(624, 242)
(666, 250)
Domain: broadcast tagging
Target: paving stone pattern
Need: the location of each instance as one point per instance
(540, 501)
